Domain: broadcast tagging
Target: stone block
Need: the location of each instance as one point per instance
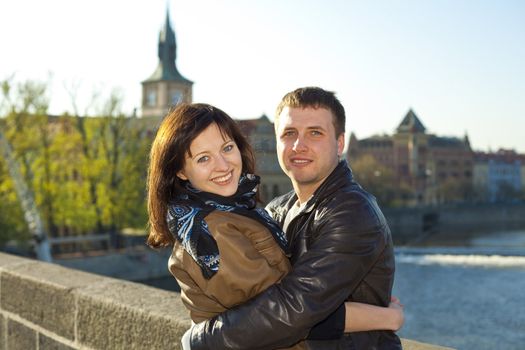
(415, 345)
(46, 343)
(125, 315)
(42, 294)
(20, 337)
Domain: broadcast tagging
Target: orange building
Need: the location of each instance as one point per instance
(431, 167)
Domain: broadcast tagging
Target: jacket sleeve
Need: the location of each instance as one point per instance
(349, 238)
(332, 327)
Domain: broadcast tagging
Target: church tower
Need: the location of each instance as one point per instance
(166, 86)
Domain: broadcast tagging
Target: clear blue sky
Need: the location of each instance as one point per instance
(459, 64)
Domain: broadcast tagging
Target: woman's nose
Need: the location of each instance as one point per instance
(221, 163)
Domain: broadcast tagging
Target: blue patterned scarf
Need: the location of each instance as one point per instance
(186, 222)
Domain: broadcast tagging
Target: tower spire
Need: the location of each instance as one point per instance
(167, 53)
(166, 86)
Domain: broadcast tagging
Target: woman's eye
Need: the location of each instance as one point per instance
(203, 159)
(228, 148)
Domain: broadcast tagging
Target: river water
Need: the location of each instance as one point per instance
(468, 297)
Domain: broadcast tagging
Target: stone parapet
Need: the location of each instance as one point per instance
(47, 306)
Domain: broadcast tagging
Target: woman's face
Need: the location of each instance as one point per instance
(215, 164)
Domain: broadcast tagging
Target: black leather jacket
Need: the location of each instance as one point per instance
(341, 250)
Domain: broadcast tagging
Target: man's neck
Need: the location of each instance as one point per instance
(304, 192)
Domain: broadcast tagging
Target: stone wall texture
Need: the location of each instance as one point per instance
(47, 306)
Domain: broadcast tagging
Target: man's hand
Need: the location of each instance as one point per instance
(398, 318)
(365, 317)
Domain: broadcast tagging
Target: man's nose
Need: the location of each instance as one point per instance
(299, 145)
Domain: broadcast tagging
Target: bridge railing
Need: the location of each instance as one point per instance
(47, 306)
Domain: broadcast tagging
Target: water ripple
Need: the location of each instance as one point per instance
(463, 260)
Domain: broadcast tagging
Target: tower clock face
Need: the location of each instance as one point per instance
(176, 97)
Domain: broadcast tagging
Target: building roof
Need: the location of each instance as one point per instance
(249, 126)
(385, 139)
(411, 124)
(167, 52)
(507, 156)
(446, 141)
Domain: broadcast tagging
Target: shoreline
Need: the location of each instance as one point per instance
(490, 238)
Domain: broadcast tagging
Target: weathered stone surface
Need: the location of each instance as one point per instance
(42, 293)
(46, 343)
(125, 315)
(7, 260)
(415, 345)
(20, 337)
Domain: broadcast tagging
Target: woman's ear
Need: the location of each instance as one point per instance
(181, 175)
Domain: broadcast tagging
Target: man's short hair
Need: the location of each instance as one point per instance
(314, 97)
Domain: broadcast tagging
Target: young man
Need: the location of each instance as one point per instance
(340, 243)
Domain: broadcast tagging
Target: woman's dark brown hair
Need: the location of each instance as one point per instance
(168, 151)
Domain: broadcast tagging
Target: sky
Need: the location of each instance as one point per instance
(458, 64)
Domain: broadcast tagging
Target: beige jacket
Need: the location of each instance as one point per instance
(250, 261)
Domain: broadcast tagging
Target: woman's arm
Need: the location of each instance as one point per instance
(365, 317)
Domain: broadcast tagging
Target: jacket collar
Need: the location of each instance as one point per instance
(338, 178)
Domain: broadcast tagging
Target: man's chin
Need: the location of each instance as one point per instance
(302, 179)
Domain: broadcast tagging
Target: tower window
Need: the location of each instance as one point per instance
(176, 97)
(151, 98)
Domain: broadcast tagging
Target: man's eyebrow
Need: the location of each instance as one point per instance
(316, 127)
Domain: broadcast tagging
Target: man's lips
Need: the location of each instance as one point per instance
(300, 161)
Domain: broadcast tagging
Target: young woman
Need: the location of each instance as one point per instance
(202, 197)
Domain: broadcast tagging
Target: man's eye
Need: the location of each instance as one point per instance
(288, 133)
(203, 159)
(316, 133)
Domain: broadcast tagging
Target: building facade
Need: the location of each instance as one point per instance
(261, 135)
(431, 167)
(498, 175)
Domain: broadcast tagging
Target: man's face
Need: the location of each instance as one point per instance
(307, 147)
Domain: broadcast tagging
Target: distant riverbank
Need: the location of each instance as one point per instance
(453, 225)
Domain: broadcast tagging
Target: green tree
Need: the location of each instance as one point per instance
(378, 179)
(12, 224)
(87, 173)
(453, 191)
